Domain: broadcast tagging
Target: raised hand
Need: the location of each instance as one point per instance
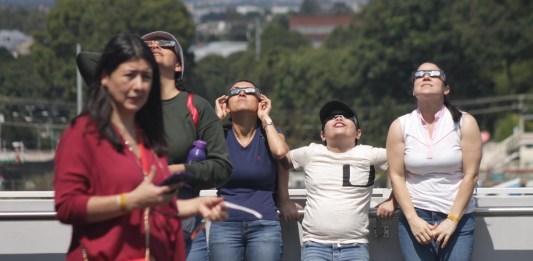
(264, 107)
(221, 106)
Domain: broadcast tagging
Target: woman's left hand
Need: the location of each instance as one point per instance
(444, 231)
(264, 107)
(212, 208)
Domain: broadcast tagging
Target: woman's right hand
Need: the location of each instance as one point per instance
(422, 230)
(147, 194)
(221, 106)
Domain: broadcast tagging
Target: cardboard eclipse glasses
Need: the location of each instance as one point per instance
(160, 43)
(431, 73)
(246, 90)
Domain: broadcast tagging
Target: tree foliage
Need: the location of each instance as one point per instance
(485, 47)
(27, 20)
(369, 63)
(92, 24)
(498, 35)
(310, 7)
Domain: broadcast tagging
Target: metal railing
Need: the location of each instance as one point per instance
(296, 194)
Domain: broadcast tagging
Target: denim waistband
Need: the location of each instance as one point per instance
(334, 245)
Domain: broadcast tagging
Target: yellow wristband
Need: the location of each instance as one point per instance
(453, 218)
(122, 202)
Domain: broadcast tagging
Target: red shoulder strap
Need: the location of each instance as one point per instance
(192, 109)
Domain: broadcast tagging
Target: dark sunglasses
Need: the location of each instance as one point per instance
(160, 43)
(431, 73)
(344, 116)
(246, 90)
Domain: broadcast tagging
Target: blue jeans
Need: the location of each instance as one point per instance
(195, 250)
(313, 251)
(199, 251)
(459, 247)
(257, 240)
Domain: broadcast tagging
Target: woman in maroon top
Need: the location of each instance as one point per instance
(110, 160)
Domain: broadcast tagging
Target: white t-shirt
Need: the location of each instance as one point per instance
(434, 165)
(339, 188)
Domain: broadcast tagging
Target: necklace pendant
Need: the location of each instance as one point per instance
(130, 147)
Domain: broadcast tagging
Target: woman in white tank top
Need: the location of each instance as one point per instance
(434, 154)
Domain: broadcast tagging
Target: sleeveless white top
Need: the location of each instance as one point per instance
(433, 165)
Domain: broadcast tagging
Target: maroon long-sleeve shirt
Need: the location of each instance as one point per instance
(86, 166)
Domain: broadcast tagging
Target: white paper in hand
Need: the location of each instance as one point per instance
(245, 209)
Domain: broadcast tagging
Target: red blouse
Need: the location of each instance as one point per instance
(86, 165)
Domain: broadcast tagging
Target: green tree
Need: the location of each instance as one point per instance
(19, 78)
(310, 7)
(277, 36)
(92, 24)
(340, 8)
(27, 20)
(211, 77)
(498, 35)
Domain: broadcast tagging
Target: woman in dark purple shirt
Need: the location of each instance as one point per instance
(254, 147)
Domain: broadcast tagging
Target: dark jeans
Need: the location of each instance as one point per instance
(459, 247)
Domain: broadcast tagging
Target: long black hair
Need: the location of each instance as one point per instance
(120, 49)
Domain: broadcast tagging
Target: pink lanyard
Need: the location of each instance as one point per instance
(145, 165)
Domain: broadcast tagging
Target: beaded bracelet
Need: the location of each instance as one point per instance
(453, 218)
(264, 126)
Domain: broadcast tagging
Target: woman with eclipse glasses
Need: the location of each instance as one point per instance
(254, 146)
(434, 154)
(188, 117)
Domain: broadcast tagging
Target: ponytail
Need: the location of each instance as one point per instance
(456, 114)
(181, 86)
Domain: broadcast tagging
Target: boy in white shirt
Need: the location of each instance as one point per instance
(339, 177)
